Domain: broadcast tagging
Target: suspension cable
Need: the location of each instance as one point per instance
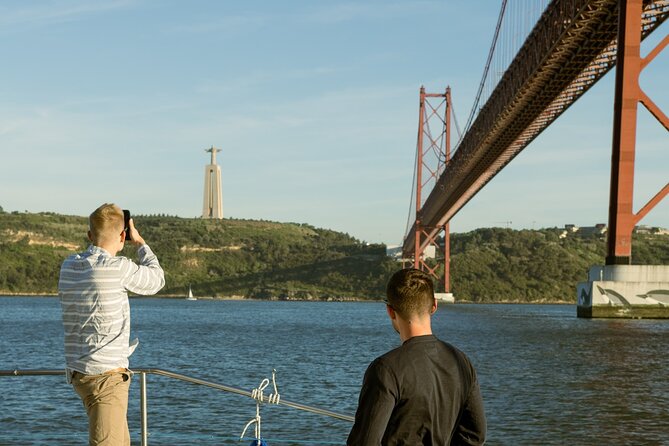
(472, 113)
(413, 192)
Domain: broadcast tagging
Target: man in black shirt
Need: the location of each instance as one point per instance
(425, 391)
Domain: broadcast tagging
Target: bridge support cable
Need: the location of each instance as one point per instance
(486, 69)
(628, 95)
(411, 215)
(514, 23)
(433, 151)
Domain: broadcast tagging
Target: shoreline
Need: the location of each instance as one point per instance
(331, 299)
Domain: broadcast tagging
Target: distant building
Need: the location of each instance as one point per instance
(586, 231)
(599, 230)
(394, 251)
(213, 195)
(430, 252)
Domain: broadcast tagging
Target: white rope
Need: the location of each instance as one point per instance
(257, 394)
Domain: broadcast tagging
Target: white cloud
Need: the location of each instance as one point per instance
(346, 12)
(58, 11)
(233, 24)
(257, 78)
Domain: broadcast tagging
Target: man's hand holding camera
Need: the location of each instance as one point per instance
(135, 238)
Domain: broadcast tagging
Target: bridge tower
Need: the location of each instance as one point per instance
(620, 289)
(213, 195)
(628, 95)
(433, 152)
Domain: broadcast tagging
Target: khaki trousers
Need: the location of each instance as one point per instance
(105, 398)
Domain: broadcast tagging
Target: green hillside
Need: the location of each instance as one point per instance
(243, 258)
(260, 259)
(493, 265)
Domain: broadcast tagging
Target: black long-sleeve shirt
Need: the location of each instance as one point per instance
(423, 392)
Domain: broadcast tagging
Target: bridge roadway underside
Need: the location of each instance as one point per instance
(571, 47)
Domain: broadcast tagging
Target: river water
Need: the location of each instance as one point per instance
(547, 377)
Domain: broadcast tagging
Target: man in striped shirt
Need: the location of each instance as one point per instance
(93, 290)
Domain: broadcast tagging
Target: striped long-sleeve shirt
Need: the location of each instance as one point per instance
(93, 294)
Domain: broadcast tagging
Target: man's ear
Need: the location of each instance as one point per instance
(90, 236)
(391, 313)
(434, 306)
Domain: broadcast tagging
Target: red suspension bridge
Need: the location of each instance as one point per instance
(571, 47)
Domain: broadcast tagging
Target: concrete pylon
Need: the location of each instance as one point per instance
(213, 195)
(625, 291)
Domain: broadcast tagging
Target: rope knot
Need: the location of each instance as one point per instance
(259, 397)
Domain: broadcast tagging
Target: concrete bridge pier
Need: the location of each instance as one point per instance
(625, 291)
(445, 298)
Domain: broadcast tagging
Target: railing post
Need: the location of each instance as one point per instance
(142, 404)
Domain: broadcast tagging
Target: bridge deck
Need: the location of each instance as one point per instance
(571, 47)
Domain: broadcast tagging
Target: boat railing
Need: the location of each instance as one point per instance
(143, 402)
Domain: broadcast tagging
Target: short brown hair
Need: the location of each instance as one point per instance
(410, 292)
(106, 221)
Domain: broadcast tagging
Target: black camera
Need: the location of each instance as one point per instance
(126, 222)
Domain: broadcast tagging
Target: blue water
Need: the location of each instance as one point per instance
(547, 377)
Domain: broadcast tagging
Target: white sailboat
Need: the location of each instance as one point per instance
(190, 294)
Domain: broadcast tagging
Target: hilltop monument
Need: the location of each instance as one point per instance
(213, 195)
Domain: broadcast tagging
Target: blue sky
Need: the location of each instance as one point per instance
(314, 104)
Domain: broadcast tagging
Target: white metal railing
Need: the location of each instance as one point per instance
(143, 402)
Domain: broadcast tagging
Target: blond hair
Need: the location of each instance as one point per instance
(106, 222)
